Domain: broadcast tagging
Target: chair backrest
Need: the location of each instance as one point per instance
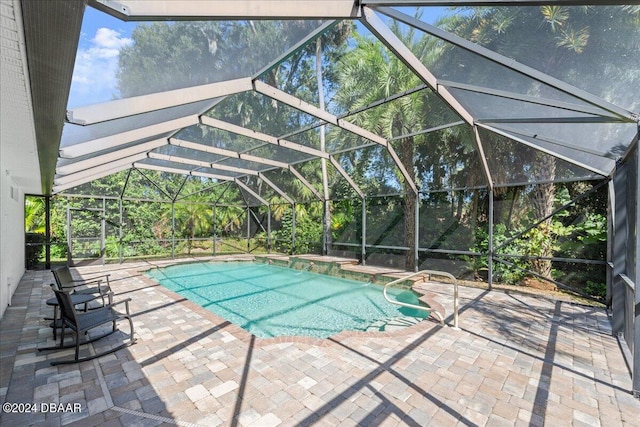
(67, 309)
(63, 276)
(56, 285)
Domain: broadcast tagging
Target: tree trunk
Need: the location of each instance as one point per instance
(544, 169)
(409, 205)
(326, 227)
(409, 228)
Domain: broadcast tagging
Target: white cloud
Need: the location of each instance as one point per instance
(110, 39)
(94, 74)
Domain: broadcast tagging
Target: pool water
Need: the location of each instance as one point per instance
(271, 301)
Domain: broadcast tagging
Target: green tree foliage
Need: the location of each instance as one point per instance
(308, 229)
(590, 47)
(193, 220)
(568, 40)
(355, 75)
(579, 231)
(369, 73)
(34, 215)
(167, 56)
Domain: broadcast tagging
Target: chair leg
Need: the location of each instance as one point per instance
(77, 334)
(95, 356)
(73, 344)
(55, 322)
(56, 346)
(78, 359)
(131, 326)
(62, 335)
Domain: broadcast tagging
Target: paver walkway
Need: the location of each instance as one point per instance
(516, 360)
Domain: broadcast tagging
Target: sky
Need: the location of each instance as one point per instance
(101, 39)
(94, 74)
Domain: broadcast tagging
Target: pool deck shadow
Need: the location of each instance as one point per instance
(517, 360)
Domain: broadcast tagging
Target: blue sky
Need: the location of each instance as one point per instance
(102, 36)
(101, 39)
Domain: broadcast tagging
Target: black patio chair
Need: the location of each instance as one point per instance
(83, 291)
(81, 322)
(92, 285)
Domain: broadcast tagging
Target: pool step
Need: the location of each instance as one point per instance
(393, 323)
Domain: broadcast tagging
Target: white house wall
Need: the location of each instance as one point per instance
(12, 242)
(19, 166)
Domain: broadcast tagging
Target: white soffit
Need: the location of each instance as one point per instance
(19, 158)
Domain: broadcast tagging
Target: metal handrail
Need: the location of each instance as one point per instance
(429, 273)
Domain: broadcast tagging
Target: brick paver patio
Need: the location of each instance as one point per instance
(516, 360)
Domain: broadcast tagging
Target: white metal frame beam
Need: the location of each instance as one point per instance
(305, 182)
(159, 168)
(79, 165)
(182, 171)
(279, 95)
(276, 188)
(586, 109)
(76, 176)
(101, 173)
(149, 10)
(249, 190)
(224, 152)
(60, 188)
(316, 112)
(199, 163)
(346, 176)
(115, 140)
(483, 158)
(120, 108)
(211, 175)
(239, 130)
(551, 153)
(416, 3)
(506, 62)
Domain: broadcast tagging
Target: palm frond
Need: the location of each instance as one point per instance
(575, 40)
(556, 16)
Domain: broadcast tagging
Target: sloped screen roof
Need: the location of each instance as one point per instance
(411, 98)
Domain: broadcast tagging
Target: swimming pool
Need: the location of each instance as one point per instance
(270, 301)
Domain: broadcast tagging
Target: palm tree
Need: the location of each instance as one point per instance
(193, 220)
(567, 40)
(370, 73)
(34, 215)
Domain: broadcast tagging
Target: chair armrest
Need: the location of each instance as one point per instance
(79, 284)
(100, 281)
(99, 277)
(109, 295)
(83, 282)
(99, 296)
(103, 288)
(99, 288)
(125, 301)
